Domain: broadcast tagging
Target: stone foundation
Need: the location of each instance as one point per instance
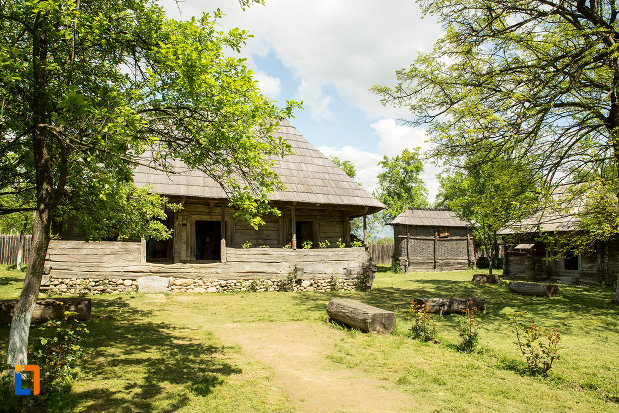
(206, 285)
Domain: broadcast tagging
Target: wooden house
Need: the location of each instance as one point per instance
(430, 239)
(209, 249)
(528, 257)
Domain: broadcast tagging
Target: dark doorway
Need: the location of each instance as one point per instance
(571, 261)
(208, 240)
(160, 251)
(305, 232)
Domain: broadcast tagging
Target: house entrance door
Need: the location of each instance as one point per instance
(208, 240)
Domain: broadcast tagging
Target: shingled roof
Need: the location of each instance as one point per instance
(429, 218)
(309, 176)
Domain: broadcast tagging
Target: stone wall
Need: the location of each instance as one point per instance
(75, 286)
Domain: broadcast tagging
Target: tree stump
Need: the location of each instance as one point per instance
(49, 308)
(537, 289)
(362, 316)
(445, 306)
(486, 278)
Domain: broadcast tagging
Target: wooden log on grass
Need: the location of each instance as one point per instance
(362, 316)
(450, 305)
(49, 308)
(486, 279)
(537, 289)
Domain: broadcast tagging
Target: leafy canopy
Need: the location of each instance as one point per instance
(400, 185)
(90, 89)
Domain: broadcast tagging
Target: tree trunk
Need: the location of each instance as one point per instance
(20, 250)
(540, 290)
(20, 327)
(362, 316)
(446, 306)
(616, 297)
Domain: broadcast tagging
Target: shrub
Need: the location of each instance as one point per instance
(424, 327)
(356, 243)
(324, 244)
(538, 345)
(246, 245)
(334, 283)
(340, 243)
(307, 245)
(467, 328)
(288, 283)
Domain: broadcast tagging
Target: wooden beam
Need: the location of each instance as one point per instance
(365, 228)
(223, 234)
(142, 250)
(435, 247)
(294, 229)
(346, 237)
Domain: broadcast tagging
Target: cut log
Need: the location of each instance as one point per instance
(486, 278)
(537, 289)
(450, 305)
(362, 316)
(49, 308)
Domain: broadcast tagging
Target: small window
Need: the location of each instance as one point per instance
(571, 261)
(443, 232)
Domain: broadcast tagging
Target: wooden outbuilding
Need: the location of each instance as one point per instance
(316, 207)
(431, 239)
(528, 257)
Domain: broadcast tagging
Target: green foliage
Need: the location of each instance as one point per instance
(538, 345)
(246, 245)
(423, 327)
(340, 243)
(289, 282)
(334, 283)
(384, 240)
(346, 166)
(306, 245)
(288, 246)
(356, 243)
(123, 86)
(468, 329)
(400, 185)
(324, 244)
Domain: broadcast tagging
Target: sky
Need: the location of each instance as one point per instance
(328, 54)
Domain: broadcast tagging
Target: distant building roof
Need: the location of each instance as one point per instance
(309, 176)
(541, 222)
(429, 218)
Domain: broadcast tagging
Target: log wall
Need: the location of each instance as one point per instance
(420, 248)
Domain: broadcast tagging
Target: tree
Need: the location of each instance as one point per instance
(535, 80)
(92, 88)
(488, 196)
(356, 224)
(399, 184)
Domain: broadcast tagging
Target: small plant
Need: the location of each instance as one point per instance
(424, 327)
(246, 245)
(356, 243)
(306, 245)
(334, 283)
(324, 244)
(288, 283)
(467, 328)
(253, 286)
(264, 246)
(288, 246)
(58, 352)
(538, 345)
(340, 243)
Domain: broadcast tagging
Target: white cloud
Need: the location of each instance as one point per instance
(314, 100)
(270, 86)
(366, 163)
(349, 45)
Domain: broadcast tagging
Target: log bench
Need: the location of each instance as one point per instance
(362, 316)
(445, 306)
(536, 289)
(49, 308)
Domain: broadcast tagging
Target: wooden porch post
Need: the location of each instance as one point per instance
(408, 235)
(346, 235)
(435, 247)
(468, 245)
(365, 228)
(294, 229)
(224, 257)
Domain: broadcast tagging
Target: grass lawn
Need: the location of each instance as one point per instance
(166, 353)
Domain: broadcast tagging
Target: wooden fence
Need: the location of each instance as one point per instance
(382, 253)
(9, 245)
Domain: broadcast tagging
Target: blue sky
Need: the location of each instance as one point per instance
(329, 53)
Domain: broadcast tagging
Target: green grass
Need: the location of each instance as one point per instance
(149, 355)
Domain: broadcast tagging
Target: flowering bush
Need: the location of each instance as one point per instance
(538, 345)
(424, 327)
(467, 328)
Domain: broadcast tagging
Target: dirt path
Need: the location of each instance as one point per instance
(297, 353)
